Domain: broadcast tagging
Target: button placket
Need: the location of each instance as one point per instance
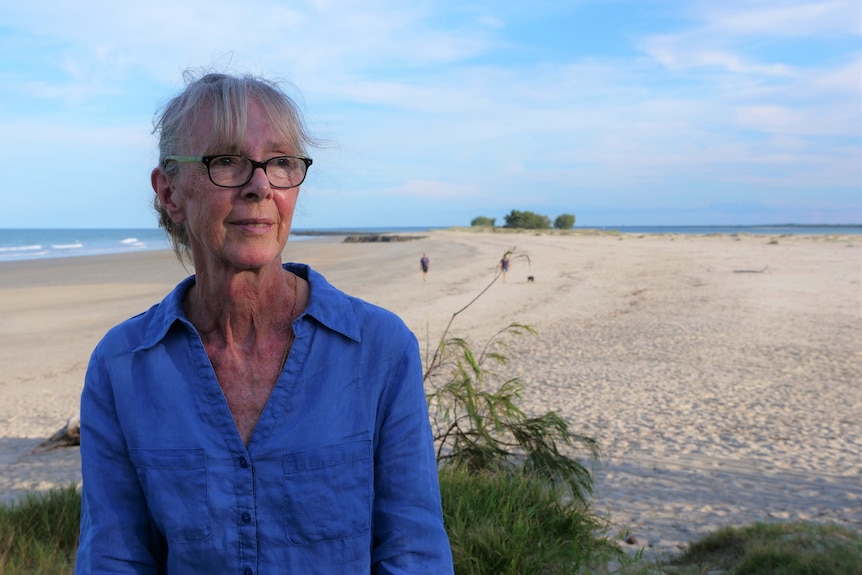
(245, 492)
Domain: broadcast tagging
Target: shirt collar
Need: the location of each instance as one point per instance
(328, 305)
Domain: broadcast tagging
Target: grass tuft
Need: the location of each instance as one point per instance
(508, 523)
(776, 549)
(39, 533)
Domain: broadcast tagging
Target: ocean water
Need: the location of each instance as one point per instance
(31, 244)
(28, 244)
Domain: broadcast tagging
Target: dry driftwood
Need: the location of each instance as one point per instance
(68, 436)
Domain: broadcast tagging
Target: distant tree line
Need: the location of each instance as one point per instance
(527, 220)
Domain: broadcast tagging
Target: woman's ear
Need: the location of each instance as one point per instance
(165, 192)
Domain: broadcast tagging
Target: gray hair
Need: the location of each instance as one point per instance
(225, 98)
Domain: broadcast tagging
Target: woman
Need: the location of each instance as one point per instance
(257, 420)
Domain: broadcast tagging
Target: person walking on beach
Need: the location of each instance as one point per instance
(424, 262)
(504, 265)
(257, 420)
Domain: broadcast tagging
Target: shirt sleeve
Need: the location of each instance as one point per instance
(115, 536)
(409, 536)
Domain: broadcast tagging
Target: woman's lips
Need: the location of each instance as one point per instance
(253, 226)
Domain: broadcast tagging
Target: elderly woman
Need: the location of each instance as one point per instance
(257, 420)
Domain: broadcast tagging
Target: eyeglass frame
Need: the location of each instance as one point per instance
(205, 160)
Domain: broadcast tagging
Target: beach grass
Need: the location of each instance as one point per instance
(511, 523)
(39, 533)
(774, 549)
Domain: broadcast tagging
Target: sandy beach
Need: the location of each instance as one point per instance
(721, 375)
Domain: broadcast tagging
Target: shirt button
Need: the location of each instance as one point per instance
(247, 571)
(246, 517)
(243, 462)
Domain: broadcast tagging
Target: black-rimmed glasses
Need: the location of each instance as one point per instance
(235, 171)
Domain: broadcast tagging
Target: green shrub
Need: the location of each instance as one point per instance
(527, 220)
(483, 221)
(479, 426)
(564, 222)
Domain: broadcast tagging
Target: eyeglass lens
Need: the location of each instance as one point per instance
(236, 171)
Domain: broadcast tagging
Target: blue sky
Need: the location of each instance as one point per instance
(622, 112)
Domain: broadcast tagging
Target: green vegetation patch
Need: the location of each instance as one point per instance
(775, 549)
(502, 523)
(39, 534)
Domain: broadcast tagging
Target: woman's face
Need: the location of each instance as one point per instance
(231, 229)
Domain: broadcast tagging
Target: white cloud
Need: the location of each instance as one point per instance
(783, 17)
(692, 50)
(844, 79)
(725, 30)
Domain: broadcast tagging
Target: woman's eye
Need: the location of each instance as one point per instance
(226, 161)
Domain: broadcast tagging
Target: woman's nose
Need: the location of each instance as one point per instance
(258, 187)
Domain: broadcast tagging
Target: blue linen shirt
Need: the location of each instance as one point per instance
(338, 477)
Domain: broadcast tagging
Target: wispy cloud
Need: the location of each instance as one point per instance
(799, 18)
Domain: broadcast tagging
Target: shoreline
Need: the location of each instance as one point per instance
(41, 244)
(718, 398)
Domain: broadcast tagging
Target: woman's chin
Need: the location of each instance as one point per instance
(247, 259)
(246, 254)
(258, 261)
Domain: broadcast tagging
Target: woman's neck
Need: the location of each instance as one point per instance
(242, 306)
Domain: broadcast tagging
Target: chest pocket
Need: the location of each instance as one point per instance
(328, 492)
(175, 485)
